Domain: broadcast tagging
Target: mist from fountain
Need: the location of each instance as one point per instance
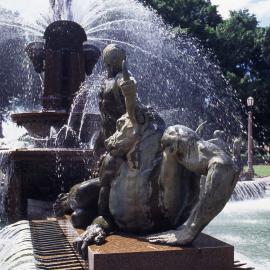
(165, 65)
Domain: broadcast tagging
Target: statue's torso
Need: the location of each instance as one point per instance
(141, 202)
(130, 200)
(111, 105)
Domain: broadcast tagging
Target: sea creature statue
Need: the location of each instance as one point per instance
(154, 183)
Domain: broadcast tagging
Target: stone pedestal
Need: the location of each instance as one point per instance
(41, 174)
(128, 253)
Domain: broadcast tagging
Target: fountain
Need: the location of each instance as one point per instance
(42, 173)
(245, 224)
(248, 190)
(65, 61)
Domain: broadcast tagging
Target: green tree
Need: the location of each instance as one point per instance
(243, 50)
(196, 17)
(240, 45)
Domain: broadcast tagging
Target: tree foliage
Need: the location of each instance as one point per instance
(240, 45)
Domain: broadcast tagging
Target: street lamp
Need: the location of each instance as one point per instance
(250, 104)
(1, 127)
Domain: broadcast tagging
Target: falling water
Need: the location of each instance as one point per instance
(247, 190)
(164, 65)
(61, 10)
(16, 249)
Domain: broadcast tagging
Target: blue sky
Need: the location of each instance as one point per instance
(261, 8)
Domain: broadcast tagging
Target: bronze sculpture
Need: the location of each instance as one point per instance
(149, 181)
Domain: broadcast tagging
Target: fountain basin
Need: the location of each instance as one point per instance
(247, 190)
(40, 123)
(41, 174)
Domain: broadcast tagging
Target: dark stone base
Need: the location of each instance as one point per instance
(39, 210)
(41, 174)
(129, 253)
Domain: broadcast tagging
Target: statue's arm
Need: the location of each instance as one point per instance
(108, 172)
(129, 91)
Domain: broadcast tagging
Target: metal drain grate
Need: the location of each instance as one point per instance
(53, 246)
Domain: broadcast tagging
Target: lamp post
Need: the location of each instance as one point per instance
(250, 104)
(1, 127)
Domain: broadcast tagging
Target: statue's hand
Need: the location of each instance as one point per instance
(128, 88)
(94, 234)
(127, 85)
(182, 236)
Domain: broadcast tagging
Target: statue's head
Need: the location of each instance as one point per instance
(122, 141)
(178, 139)
(113, 57)
(137, 143)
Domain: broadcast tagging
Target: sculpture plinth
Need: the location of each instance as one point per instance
(54, 250)
(127, 253)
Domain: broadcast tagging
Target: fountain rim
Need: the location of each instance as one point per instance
(25, 154)
(46, 116)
